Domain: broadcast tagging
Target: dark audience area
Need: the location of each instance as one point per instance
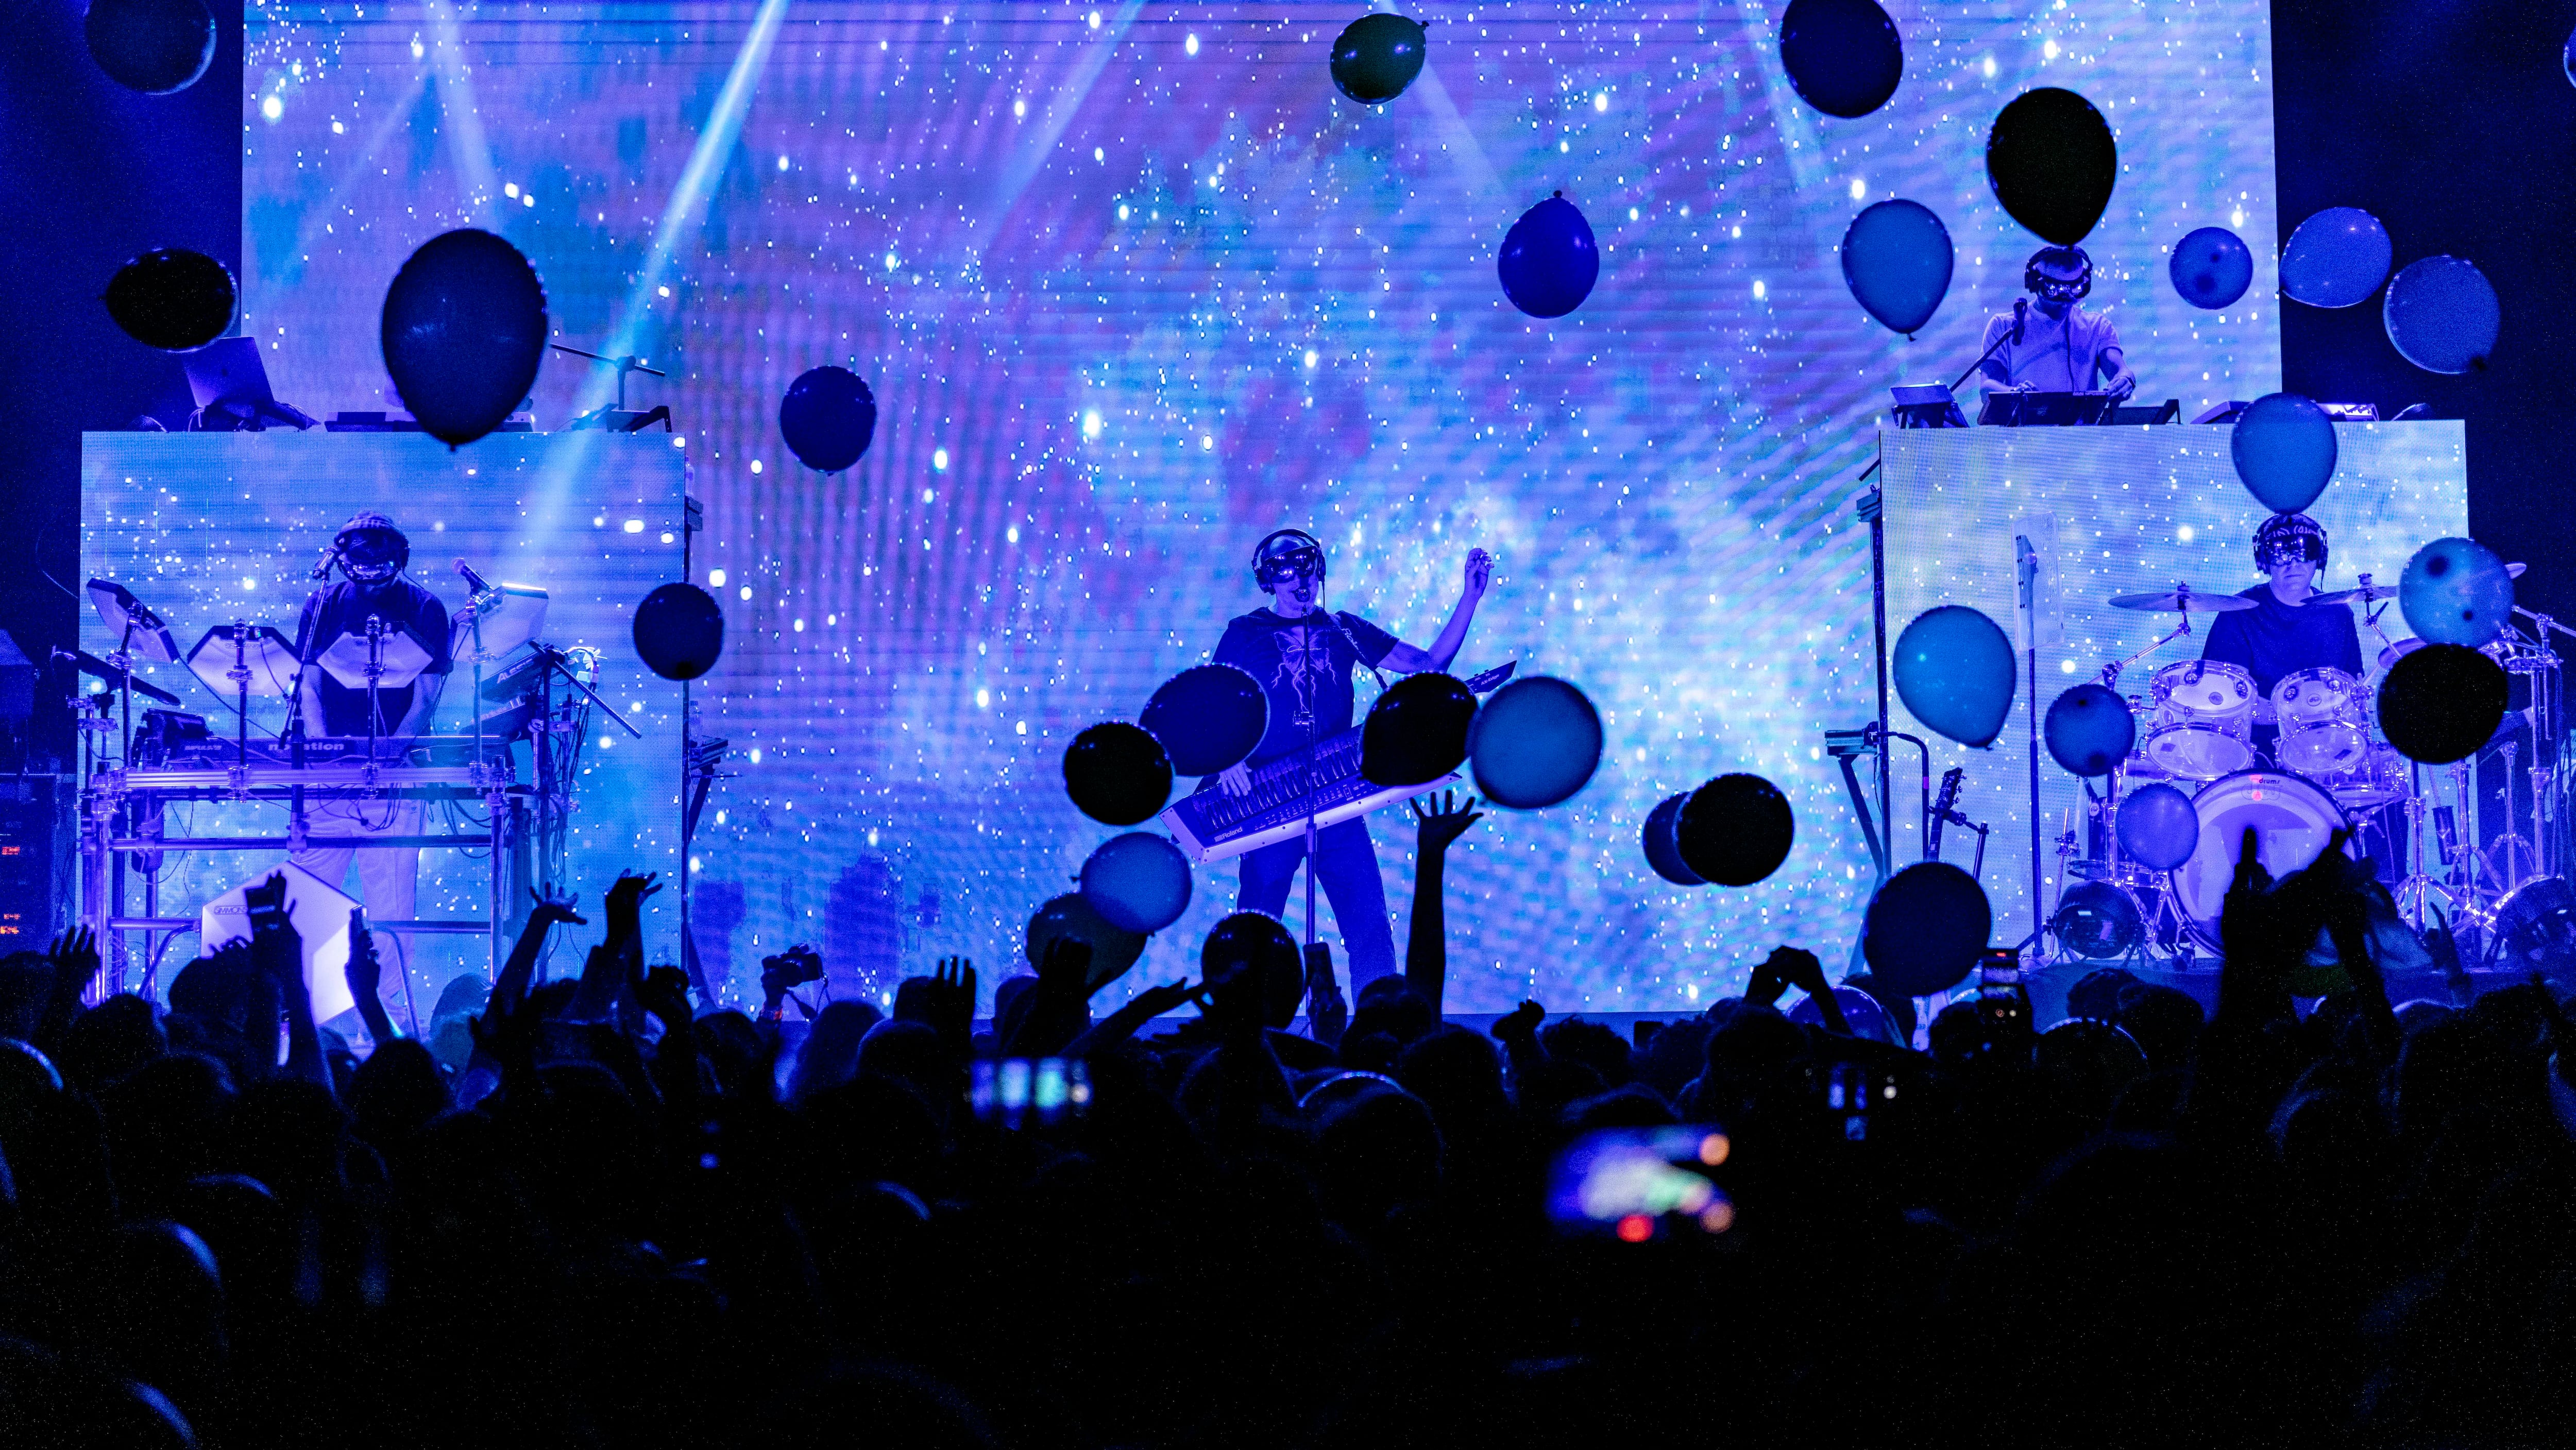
(590, 1211)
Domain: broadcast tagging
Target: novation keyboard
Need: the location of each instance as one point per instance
(1323, 780)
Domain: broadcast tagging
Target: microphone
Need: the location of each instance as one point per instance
(2021, 309)
(330, 556)
(473, 580)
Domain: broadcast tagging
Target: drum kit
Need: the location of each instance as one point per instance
(2299, 763)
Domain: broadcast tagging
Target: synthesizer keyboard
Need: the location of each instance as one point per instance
(1212, 824)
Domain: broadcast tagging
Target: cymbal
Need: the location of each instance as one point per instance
(2514, 571)
(2181, 599)
(2365, 594)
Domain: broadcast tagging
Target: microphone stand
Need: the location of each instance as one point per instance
(2020, 309)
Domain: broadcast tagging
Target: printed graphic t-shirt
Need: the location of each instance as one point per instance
(1304, 666)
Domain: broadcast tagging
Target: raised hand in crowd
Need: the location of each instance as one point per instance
(364, 972)
(1426, 945)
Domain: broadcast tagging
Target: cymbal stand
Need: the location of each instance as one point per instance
(2415, 893)
(239, 674)
(2513, 839)
(2111, 671)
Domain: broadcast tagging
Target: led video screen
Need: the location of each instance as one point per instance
(1133, 285)
(212, 529)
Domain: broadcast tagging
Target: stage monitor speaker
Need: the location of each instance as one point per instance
(35, 860)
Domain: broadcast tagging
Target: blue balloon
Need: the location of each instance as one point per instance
(1534, 743)
(2336, 258)
(2089, 730)
(2284, 447)
(463, 330)
(1549, 261)
(1663, 843)
(2441, 314)
(828, 418)
(1924, 928)
(1137, 882)
(2456, 591)
(2567, 59)
(1954, 670)
(2158, 827)
(1208, 718)
(1861, 1013)
(1842, 56)
(1896, 260)
(2211, 268)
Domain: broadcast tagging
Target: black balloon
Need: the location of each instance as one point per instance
(1117, 774)
(1549, 259)
(464, 331)
(1735, 830)
(2052, 163)
(1417, 731)
(1843, 56)
(1113, 948)
(1663, 844)
(1925, 927)
(679, 631)
(2090, 730)
(1257, 941)
(2441, 702)
(172, 298)
(828, 418)
(1208, 718)
(152, 46)
(1377, 56)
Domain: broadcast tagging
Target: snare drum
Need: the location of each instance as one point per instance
(2325, 722)
(2294, 820)
(2204, 715)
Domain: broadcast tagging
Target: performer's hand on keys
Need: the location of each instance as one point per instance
(1237, 779)
(1480, 572)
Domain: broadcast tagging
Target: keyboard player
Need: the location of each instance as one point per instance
(2048, 343)
(1303, 655)
(372, 553)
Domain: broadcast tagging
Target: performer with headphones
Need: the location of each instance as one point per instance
(372, 553)
(2282, 634)
(2054, 345)
(1303, 655)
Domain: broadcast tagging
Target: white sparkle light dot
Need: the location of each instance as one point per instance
(939, 459)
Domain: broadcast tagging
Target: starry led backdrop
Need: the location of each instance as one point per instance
(1134, 285)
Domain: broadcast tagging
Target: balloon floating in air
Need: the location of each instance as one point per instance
(2456, 591)
(828, 418)
(679, 631)
(1954, 670)
(1549, 261)
(2336, 258)
(1735, 830)
(2441, 703)
(2052, 163)
(1257, 942)
(1208, 718)
(1925, 927)
(464, 329)
(172, 299)
(1377, 56)
(2157, 827)
(1663, 843)
(2441, 315)
(1117, 774)
(2211, 268)
(2089, 730)
(1137, 882)
(1861, 1013)
(2284, 448)
(1896, 260)
(1843, 56)
(153, 46)
(1113, 948)
(2567, 59)
(1417, 731)
(1535, 743)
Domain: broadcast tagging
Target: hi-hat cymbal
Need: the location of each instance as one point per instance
(2181, 599)
(2366, 594)
(2514, 571)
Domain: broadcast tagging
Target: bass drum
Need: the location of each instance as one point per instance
(2293, 818)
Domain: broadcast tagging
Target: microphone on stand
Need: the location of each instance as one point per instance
(2021, 309)
(330, 556)
(473, 581)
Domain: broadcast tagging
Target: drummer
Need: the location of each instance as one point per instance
(2281, 635)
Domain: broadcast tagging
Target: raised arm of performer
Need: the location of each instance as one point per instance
(1404, 657)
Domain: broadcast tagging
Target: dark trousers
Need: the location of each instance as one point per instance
(1346, 868)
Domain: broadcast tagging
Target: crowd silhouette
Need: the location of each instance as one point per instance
(589, 1212)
